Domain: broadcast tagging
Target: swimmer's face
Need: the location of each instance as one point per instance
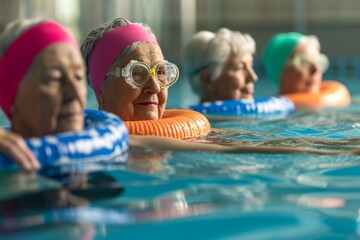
(304, 78)
(52, 96)
(146, 103)
(236, 80)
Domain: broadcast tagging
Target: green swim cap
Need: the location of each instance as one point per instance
(277, 51)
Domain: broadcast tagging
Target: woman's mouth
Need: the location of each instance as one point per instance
(248, 90)
(148, 103)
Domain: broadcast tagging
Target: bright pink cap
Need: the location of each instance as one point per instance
(108, 47)
(21, 53)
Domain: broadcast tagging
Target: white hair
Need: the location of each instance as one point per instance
(311, 40)
(207, 50)
(13, 30)
(89, 41)
(193, 58)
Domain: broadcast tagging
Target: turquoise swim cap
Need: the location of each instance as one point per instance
(277, 51)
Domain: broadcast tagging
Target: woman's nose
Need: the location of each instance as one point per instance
(152, 85)
(251, 76)
(314, 68)
(72, 89)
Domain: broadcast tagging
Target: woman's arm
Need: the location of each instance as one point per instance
(165, 143)
(13, 146)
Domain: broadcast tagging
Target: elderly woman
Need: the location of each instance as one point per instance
(293, 61)
(219, 65)
(130, 78)
(42, 87)
(127, 70)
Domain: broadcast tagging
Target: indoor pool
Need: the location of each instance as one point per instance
(202, 195)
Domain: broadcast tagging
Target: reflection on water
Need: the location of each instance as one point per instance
(148, 160)
(202, 194)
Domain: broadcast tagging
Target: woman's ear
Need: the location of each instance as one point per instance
(205, 79)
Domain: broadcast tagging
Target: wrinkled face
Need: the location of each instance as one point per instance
(52, 95)
(145, 103)
(236, 80)
(306, 76)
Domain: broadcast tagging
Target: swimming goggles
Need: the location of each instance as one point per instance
(137, 74)
(303, 61)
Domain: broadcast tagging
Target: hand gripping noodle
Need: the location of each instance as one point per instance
(104, 138)
(108, 47)
(21, 53)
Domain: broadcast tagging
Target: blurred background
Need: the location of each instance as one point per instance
(335, 22)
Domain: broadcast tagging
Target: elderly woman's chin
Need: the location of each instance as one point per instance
(314, 86)
(147, 112)
(313, 89)
(148, 115)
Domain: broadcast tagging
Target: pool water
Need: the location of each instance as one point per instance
(203, 195)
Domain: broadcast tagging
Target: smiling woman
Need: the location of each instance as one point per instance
(130, 78)
(113, 48)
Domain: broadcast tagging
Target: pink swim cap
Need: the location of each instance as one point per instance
(21, 53)
(108, 47)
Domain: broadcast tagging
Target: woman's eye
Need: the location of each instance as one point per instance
(50, 79)
(240, 67)
(52, 76)
(161, 72)
(79, 76)
(137, 74)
